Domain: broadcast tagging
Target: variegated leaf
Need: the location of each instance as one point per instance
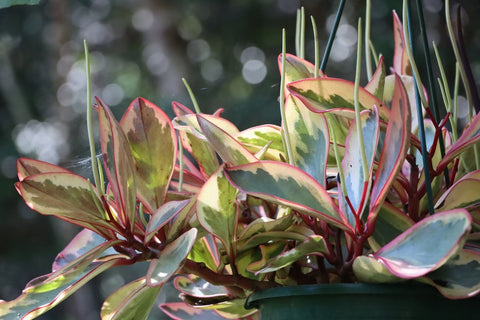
(401, 63)
(28, 167)
(335, 96)
(255, 138)
(217, 210)
(171, 259)
(119, 164)
(376, 85)
(45, 292)
(227, 147)
(394, 149)
(287, 185)
(153, 143)
(459, 277)
(66, 196)
(309, 138)
(132, 301)
(314, 245)
(427, 245)
(82, 243)
(161, 216)
(356, 184)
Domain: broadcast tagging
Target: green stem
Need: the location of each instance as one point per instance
(192, 96)
(91, 139)
(180, 164)
(356, 102)
(286, 136)
(368, 60)
(316, 44)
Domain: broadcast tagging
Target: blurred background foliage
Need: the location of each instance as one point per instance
(226, 49)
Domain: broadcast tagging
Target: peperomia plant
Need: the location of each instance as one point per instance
(357, 184)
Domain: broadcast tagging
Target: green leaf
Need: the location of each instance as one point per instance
(28, 167)
(459, 277)
(66, 196)
(309, 139)
(335, 96)
(217, 209)
(119, 164)
(229, 149)
(255, 138)
(395, 148)
(161, 216)
(427, 245)
(153, 143)
(132, 301)
(45, 292)
(287, 185)
(10, 3)
(171, 259)
(314, 245)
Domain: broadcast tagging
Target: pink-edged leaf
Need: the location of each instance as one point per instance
(335, 96)
(376, 85)
(171, 259)
(314, 245)
(82, 243)
(45, 292)
(462, 194)
(205, 251)
(119, 164)
(217, 209)
(229, 149)
(356, 184)
(410, 87)
(199, 288)
(183, 311)
(132, 301)
(390, 223)
(427, 245)
(256, 138)
(469, 137)
(180, 110)
(369, 270)
(161, 216)
(28, 167)
(287, 185)
(394, 149)
(297, 68)
(309, 138)
(153, 143)
(459, 277)
(66, 196)
(401, 63)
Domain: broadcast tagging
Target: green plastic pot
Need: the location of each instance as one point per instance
(360, 301)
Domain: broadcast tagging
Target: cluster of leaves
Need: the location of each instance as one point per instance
(334, 194)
